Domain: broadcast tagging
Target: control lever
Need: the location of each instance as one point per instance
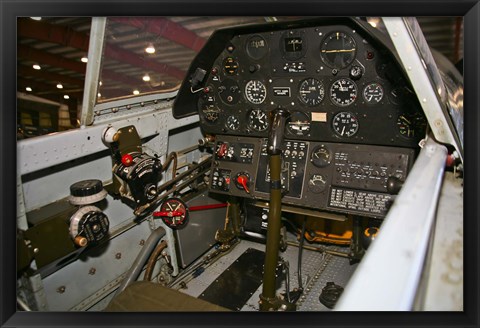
(268, 299)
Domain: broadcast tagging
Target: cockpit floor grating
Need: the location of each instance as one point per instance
(317, 270)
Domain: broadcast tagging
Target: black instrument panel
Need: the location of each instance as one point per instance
(353, 123)
(336, 85)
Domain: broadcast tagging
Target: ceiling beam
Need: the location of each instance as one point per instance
(43, 57)
(67, 37)
(26, 71)
(165, 28)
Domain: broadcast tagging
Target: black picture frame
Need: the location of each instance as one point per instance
(10, 9)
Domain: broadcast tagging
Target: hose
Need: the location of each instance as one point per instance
(153, 259)
(171, 156)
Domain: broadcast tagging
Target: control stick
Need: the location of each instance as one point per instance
(268, 299)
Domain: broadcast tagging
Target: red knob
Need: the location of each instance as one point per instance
(127, 159)
(243, 181)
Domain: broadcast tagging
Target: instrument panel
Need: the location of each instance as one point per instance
(335, 83)
(353, 124)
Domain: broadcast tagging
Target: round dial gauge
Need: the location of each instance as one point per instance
(255, 92)
(321, 156)
(311, 92)
(317, 183)
(256, 47)
(173, 212)
(298, 124)
(345, 124)
(411, 126)
(230, 66)
(338, 50)
(373, 93)
(233, 123)
(257, 120)
(343, 92)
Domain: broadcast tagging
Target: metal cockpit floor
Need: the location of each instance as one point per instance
(317, 269)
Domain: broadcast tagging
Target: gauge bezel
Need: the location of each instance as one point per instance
(321, 94)
(249, 120)
(332, 98)
(376, 101)
(338, 133)
(293, 55)
(247, 47)
(227, 122)
(248, 95)
(324, 43)
(321, 162)
(307, 119)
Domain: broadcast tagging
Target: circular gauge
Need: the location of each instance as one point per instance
(343, 92)
(233, 123)
(317, 183)
(321, 156)
(229, 92)
(255, 92)
(256, 47)
(173, 212)
(257, 120)
(311, 92)
(230, 66)
(338, 50)
(293, 45)
(298, 124)
(345, 124)
(210, 112)
(373, 93)
(411, 126)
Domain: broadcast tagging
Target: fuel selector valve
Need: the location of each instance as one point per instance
(242, 181)
(88, 225)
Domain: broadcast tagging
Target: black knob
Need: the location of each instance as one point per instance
(254, 68)
(86, 188)
(356, 72)
(394, 185)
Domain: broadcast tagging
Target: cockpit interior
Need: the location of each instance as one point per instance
(291, 164)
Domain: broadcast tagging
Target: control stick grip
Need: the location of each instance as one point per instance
(277, 131)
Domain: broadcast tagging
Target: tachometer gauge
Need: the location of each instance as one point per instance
(230, 66)
(343, 92)
(345, 124)
(338, 50)
(233, 123)
(411, 126)
(298, 124)
(255, 92)
(311, 92)
(317, 183)
(257, 120)
(373, 93)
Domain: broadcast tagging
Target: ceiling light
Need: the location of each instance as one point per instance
(36, 18)
(60, 86)
(100, 83)
(66, 97)
(136, 92)
(28, 89)
(84, 59)
(99, 95)
(146, 77)
(36, 66)
(150, 49)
